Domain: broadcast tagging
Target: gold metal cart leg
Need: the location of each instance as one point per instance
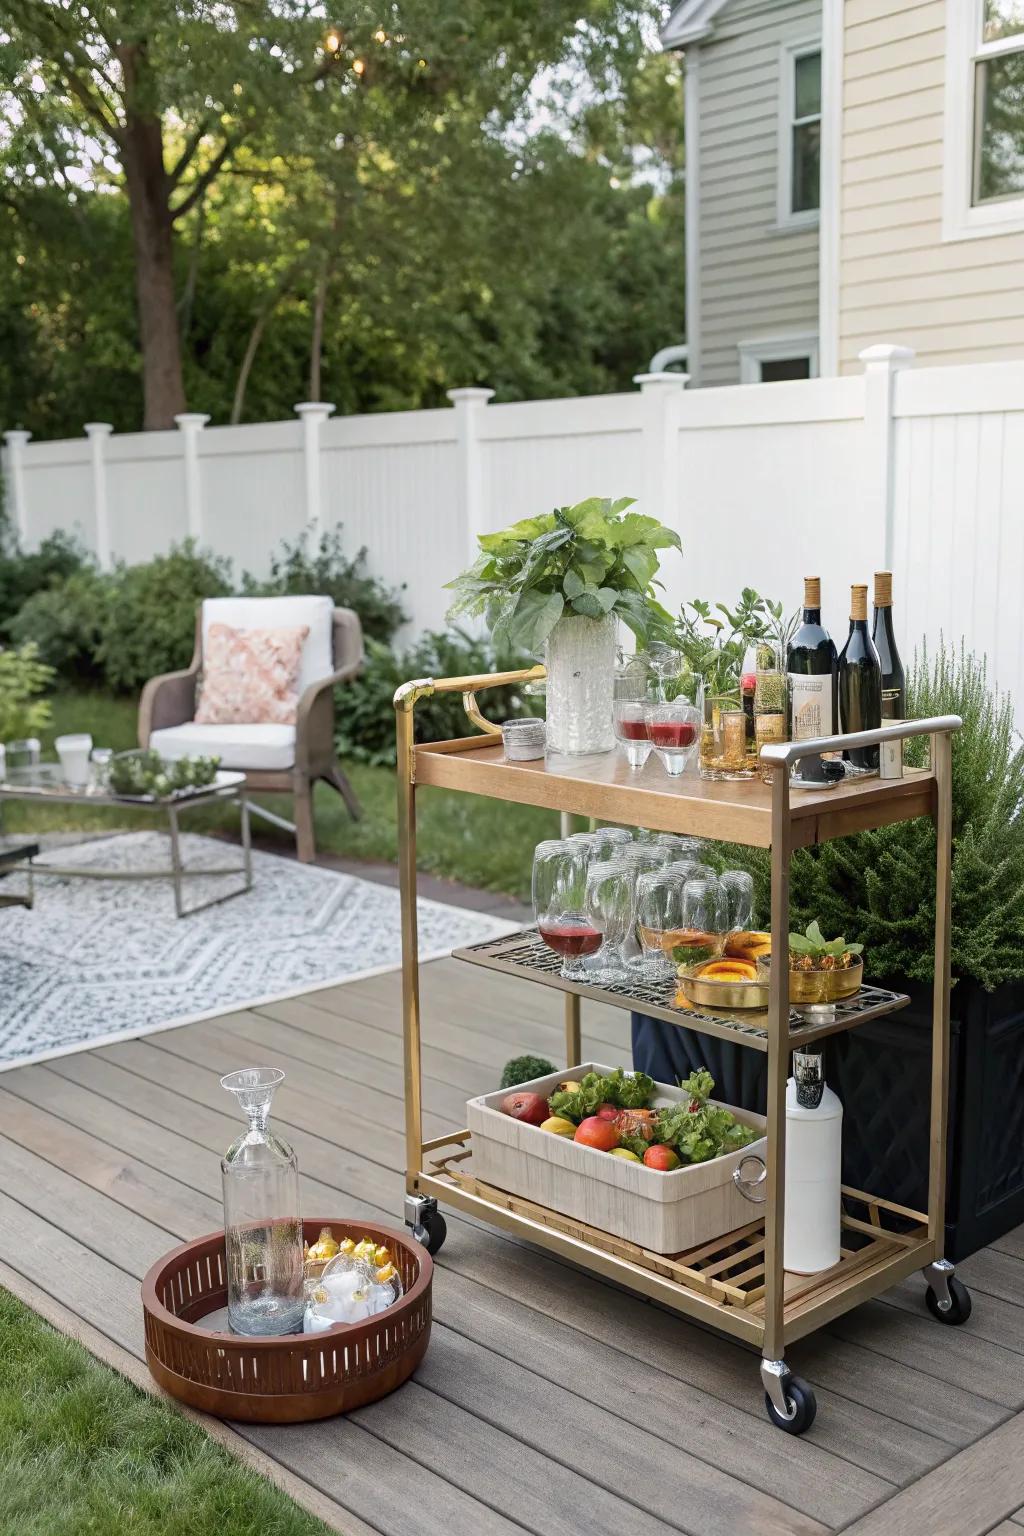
(778, 1072)
(573, 1045)
(942, 752)
(410, 945)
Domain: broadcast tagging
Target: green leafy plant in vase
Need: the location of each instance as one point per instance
(558, 586)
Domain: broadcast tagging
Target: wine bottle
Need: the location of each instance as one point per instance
(860, 683)
(894, 680)
(811, 665)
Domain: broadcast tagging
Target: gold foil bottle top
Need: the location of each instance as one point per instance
(812, 591)
(883, 589)
(859, 602)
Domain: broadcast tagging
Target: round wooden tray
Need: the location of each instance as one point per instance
(294, 1378)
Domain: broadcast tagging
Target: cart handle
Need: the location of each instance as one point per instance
(749, 1188)
(900, 730)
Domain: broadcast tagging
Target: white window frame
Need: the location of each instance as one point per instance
(788, 55)
(961, 219)
(772, 349)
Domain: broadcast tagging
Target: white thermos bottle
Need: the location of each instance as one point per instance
(814, 1140)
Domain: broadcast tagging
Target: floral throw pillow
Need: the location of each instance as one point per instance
(250, 676)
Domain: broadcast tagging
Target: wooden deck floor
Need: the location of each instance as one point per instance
(549, 1402)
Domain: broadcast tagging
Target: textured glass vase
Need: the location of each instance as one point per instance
(262, 1229)
(580, 661)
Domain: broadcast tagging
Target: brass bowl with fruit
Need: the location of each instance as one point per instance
(724, 984)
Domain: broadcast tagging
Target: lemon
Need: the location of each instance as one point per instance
(558, 1126)
(625, 1153)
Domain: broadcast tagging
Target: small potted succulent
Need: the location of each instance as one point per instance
(557, 586)
(821, 971)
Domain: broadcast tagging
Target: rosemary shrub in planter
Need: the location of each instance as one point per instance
(557, 586)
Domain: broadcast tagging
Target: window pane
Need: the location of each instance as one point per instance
(781, 368)
(807, 88)
(999, 128)
(1003, 18)
(806, 167)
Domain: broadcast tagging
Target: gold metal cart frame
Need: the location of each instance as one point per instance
(740, 1287)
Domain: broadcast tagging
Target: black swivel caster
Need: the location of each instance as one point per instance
(790, 1402)
(425, 1222)
(947, 1298)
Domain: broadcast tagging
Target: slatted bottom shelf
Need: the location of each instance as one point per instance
(525, 954)
(728, 1272)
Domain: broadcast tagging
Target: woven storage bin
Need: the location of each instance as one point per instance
(293, 1378)
(666, 1212)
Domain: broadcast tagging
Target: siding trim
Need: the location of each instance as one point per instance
(829, 233)
(691, 192)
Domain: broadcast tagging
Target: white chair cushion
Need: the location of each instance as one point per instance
(259, 748)
(282, 613)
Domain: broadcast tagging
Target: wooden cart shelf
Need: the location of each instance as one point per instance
(525, 954)
(725, 1277)
(604, 786)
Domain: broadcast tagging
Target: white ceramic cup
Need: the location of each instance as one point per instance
(73, 752)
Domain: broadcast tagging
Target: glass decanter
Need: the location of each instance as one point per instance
(262, 1229)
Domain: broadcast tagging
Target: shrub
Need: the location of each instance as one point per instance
(523, 1069)
(326, 569)
(149, 621)
(365, 712)
(67, 623)
(23, 677)
(22, 575)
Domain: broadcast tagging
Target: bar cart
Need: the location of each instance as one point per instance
(738, 1283)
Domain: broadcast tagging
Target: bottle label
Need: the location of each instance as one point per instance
(812, 705)
(890, 703)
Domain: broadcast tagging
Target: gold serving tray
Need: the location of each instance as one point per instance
(718, 992)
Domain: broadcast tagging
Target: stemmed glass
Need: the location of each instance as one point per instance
(610, 842)
(609, 905)
(629, 723)
(673, 729)
(666, 665)
(738, 886)
(704, 916)
(659, 913)
(682, 846)
(559, 890)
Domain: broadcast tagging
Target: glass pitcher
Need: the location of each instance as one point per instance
(262, 1229)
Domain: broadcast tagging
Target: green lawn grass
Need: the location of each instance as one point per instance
(85, 1453)
(480, 842)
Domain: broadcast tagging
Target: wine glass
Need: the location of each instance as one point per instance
(610, 842)
(673, 729)
(630, 726)
(666, 665)
(659, 912)
(738, 886)
(559, 890)
(704, 916)
(609, 907)
(683, 847)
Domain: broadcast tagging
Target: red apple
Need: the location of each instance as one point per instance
(595, 1132)
(607, 1112)
(529, 1107)
(661, 1157)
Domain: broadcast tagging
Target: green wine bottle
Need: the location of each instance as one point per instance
(811, 666)
(860, 683)
(894, 679)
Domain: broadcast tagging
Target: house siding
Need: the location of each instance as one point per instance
(958, 301)
(755, 278)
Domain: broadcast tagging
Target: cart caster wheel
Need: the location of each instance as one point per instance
(802, 1403)
(425, 1222)
(958, 1309)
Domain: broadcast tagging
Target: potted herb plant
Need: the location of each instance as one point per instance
(557, 586)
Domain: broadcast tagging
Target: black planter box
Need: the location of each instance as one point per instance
(882, 1073)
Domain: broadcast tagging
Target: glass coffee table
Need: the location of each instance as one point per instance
(45, 783)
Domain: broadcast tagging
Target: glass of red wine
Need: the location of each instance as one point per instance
(559, 903)
(629, 722)
(674, 730)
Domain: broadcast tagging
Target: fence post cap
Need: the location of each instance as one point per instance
(194, 419)
(471, 394)
(98, 428)
(318, 410)
(16, 437)
(648, 381)
(887, 355)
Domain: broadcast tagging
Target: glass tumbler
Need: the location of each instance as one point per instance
(262, 1229)
(658, 914)
(630, 726)
(610, 893)
(559, 903)
(674, 730)
(702, 930)
(738, 886)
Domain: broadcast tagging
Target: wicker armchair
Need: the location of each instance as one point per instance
(273, 757)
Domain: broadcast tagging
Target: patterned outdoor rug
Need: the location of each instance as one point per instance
(99, 960)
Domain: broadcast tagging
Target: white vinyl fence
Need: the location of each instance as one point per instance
(920, 470)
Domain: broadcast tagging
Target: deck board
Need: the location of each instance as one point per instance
(549, 1401)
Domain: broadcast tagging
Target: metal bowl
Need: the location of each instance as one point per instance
(815, 989)
(718, 993)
